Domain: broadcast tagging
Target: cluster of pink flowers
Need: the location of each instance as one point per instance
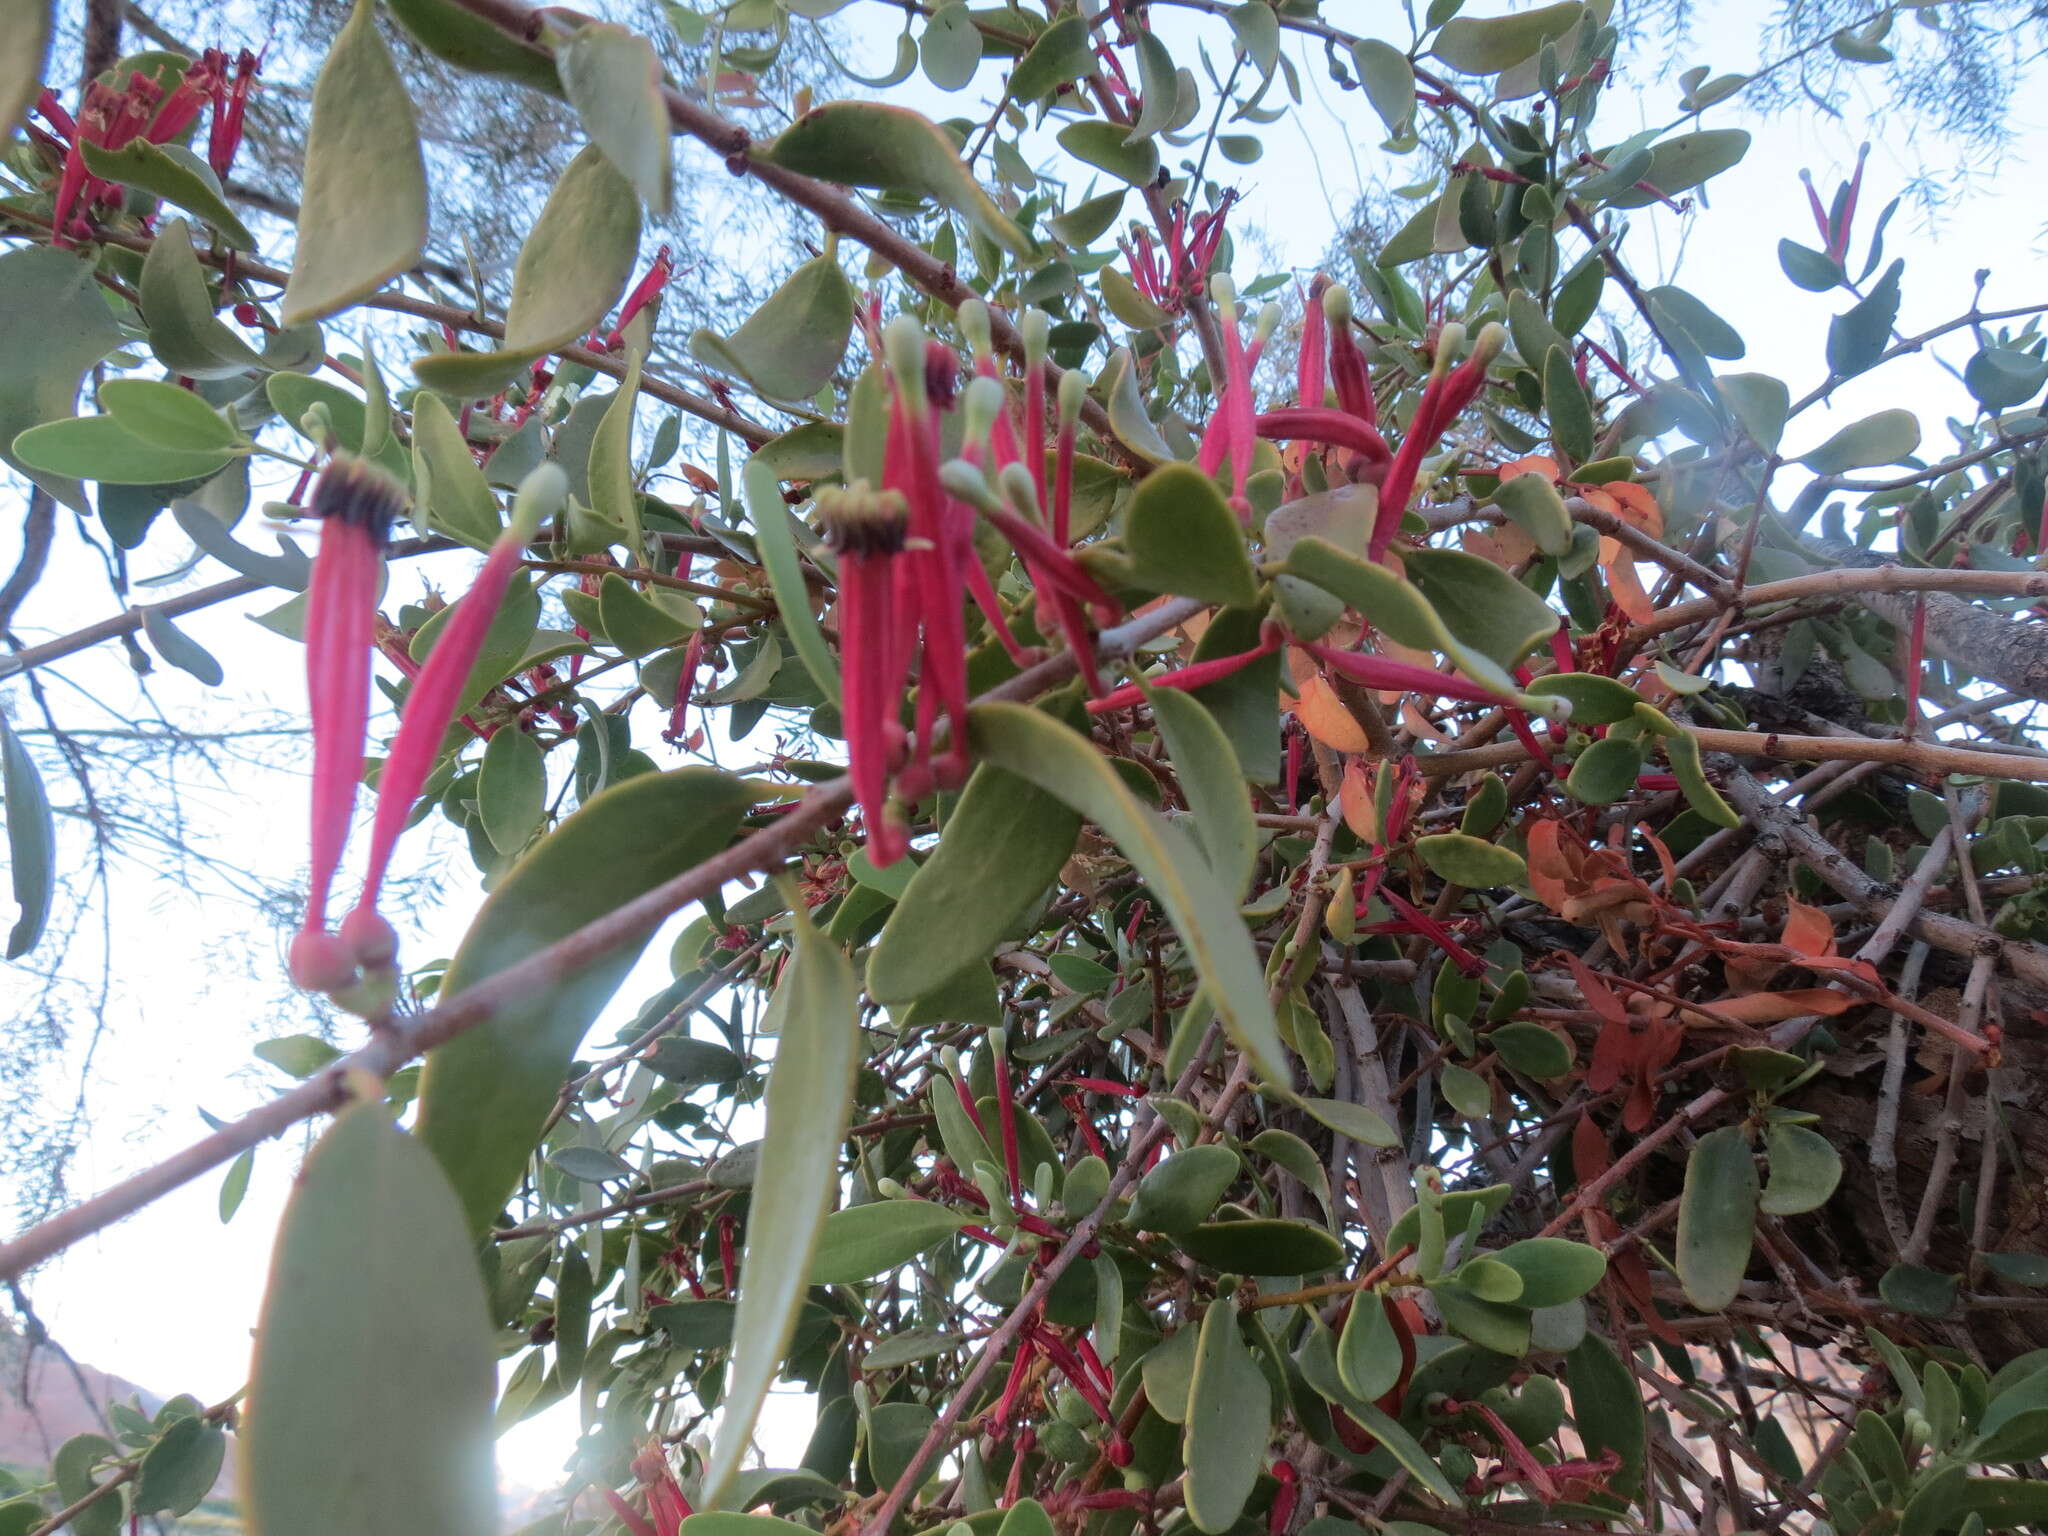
(111, 117)
(357, 504)
(906, 555)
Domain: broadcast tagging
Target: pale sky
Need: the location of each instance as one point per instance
(167, 1298)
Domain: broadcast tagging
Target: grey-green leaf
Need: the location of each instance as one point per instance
(31, 842)
(866, 1240)
(1214, 784)
(485, 1094)
(1229, 1417)
(613, 80)
(815, 1015)
(790, 347)
(1716, 1218)
(363, 215)
(1058, 760)
(374, 1336)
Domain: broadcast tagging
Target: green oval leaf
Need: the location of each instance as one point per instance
(1716, 1218)
(1263, 1246)
(511, 789)
(1886, 437)
(1481, 604)
(613, 80)
(1213, 782)
(1554, 1270)
(815, 1017)
(1182, 537)
(1353, 1120)
(485, 1094)
(1595, 700)
(180, 649)
(374, 1335)
(1531, 1049)
(453, 494)
(1005, 842)
(54, 325)
(1066, 764)
(176, 175)
(1605, 771)
(1476, 45)
(101, 448)
(950, 47)
(166, 416)
(1063, 51)
(1182, 1191)
(1805, 1168)
(790, 347)
(870, 144)
(775, 535)
(1102, 145)
(1229, 1417)
(1471, 861)
(1369, 1359)
(363, 215)
(866, 1240)
(177, 306)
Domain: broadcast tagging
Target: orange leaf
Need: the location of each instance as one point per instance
(1534, 464)
(1776, 1007)
(1323, 715)
(1550, 871)
(1355, 797)
(1807, 929)
(1636, 505)
(1623, 582)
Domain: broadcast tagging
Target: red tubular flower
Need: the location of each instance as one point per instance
(1285, 1499)
(1196, 674)
(1415, 920)
(1320, 424)
(1384, 672)
(644, 293)
(431, 706)
(1347, 362)
(356, 503)
(1446, 395)
(866, 529)
(1310, 389)
(230, 102)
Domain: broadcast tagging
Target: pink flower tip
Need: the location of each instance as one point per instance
(370, 939)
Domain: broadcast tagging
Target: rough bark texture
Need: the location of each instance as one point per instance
(2010, 652)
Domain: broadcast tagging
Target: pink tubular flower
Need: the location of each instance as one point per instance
(1335, 428)
(356, 503)
(230, 102)
(1384, 672)
(1196, 674)
(431, 706)
(1347, 362)
(1444, 397)
(866, 529)
(644, 293)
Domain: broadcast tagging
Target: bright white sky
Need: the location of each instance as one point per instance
(168, 1297)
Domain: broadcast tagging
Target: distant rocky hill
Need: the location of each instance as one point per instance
(45, 1400)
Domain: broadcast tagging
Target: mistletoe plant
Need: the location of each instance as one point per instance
(1344, 915)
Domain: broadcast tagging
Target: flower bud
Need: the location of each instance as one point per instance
(1073, 395)
(974, 325)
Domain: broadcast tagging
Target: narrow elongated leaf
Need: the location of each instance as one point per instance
(485, 1094)
(613, 495)
(777, 543)
(866, 1240)
(31, 842)
(613, 80)
(177, 306)
(1038, 748)
(815, 1016)
(370, 1393)
(1607, 1407)
(363, 216)
(1354, 1120)
(101, 448)
(1716, 1217)
(1003, 845)
(1214, 784)
(511, 791)
(180, 649)
(457, 499)
(870, 144)
(1883, 438)
(1229, 1416)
